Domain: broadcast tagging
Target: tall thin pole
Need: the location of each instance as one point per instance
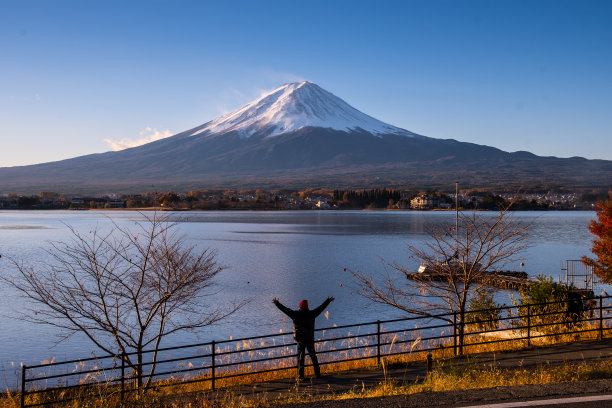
(212, 366)
(528, 326)
(23, 382)
(455, 332)
(600, 317)
(378, 342)
(457, 215)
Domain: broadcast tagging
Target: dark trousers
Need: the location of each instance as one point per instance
(302, 347)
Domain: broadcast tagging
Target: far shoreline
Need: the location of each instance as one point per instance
(162, 209)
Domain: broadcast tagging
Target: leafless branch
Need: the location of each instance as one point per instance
(125, 290)
(454, 266)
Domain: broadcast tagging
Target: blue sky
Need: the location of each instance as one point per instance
(518, 75)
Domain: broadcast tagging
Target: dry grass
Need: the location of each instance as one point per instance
(443, 378)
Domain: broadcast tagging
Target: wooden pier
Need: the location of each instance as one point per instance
(507, 280)
(504, 280)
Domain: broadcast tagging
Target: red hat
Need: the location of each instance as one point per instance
(304, 304)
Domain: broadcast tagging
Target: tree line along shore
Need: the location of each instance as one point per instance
(311, 199)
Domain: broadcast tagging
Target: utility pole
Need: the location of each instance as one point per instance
(457, 215)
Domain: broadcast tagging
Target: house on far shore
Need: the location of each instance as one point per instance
(424, 202)
(97, 202)
(116, 203)
(322, 205)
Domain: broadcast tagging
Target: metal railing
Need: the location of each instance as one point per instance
(578, 274)
(218, 361)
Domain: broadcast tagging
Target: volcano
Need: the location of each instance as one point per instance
(300, 135)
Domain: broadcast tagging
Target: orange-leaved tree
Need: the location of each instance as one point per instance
(602, 243)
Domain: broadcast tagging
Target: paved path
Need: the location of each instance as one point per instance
(356, 380)
(599, 391)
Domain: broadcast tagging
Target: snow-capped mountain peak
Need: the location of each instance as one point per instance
(294, 106)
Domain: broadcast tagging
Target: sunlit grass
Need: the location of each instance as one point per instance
(410, 345)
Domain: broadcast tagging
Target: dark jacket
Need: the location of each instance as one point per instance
(303, 321)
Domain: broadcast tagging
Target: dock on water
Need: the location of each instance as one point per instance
(507, 280)
(504, 280)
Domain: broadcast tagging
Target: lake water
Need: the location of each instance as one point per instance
(289, 255)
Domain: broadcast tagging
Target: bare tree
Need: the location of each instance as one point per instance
(456, 264)
(126, 290)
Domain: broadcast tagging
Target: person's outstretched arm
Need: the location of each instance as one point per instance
(283, 308)
(321, 308)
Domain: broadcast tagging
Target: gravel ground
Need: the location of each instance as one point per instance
(473, 397)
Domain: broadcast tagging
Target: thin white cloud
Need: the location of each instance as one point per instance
(281, 77)
(230, 99)
(278, 78)
(147, 135)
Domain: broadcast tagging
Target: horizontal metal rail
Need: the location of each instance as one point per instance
(534, 318)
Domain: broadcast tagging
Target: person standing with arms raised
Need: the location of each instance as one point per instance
(303, 331)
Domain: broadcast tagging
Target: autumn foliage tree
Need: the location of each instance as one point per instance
(602, 243)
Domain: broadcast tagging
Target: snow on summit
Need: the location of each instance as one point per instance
(294, 106)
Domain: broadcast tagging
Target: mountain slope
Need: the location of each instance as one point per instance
(292, 107)
(296, 136)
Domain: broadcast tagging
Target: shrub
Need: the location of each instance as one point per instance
(479, 315)
(563, 305)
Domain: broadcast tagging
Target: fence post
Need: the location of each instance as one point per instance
(378, 342)
(528, 326)
(429, 362)
(122, 396)
(23, 382)
(455, 332)
(600, 317)
(212, 366)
